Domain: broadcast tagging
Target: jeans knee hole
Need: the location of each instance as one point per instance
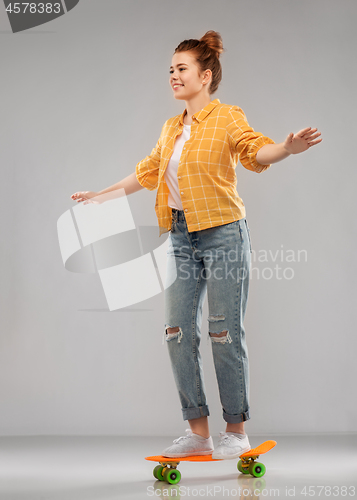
(174, 333)
(216, 317)
(221, 338)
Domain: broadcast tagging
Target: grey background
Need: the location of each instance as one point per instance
(83, 99)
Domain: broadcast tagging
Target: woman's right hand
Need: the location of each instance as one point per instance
(85, 196)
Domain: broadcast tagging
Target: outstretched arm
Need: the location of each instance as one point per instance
(293, 144)
(130, 185)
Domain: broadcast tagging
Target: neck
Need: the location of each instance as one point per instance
(195, 105)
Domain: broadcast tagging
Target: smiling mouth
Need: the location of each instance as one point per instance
(177, 85)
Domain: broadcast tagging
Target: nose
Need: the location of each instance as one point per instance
(174, 75)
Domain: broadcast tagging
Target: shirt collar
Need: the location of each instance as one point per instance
(201, 115)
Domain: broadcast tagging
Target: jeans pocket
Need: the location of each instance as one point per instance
(248, 232)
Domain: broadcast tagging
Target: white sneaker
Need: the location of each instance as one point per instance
(191, 444)
(231, 445)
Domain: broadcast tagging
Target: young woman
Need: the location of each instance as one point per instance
(193, 169)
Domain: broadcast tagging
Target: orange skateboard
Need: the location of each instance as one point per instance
(167, 470)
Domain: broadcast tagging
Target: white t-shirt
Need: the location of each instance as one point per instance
(174, 200)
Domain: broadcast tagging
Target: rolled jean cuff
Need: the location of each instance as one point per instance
(192, 413)
(236, 419)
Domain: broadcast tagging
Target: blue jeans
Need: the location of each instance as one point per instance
(215, 261)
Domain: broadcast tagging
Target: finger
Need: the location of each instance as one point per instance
(310, 133)
(315, 136)
(313, 143)
(303, 131)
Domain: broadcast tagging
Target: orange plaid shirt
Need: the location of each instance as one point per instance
(220, 136)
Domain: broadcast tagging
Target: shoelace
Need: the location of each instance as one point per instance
(189, 434)
(226, 438)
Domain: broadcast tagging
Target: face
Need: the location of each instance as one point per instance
(186, 80)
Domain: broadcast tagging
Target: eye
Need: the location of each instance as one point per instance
(180, 69)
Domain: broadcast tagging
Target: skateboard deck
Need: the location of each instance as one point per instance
(167, 470)
(259, 450)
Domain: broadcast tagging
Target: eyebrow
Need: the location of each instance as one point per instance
(179, 64)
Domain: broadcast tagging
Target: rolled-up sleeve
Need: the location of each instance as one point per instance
(147, 170)
(245, 141)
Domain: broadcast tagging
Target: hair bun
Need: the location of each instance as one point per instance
(214, 41)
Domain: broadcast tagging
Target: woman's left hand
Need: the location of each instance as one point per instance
(303, 140)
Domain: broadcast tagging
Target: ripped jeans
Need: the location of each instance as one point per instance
(215, 261)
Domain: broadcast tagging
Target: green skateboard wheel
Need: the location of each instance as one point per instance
(172, 476)
(257, 469)
(158, 472)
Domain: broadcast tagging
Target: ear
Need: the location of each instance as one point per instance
(207, 76)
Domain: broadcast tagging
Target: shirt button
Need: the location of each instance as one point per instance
(186, 210)
(179, 177)
(181, 192)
